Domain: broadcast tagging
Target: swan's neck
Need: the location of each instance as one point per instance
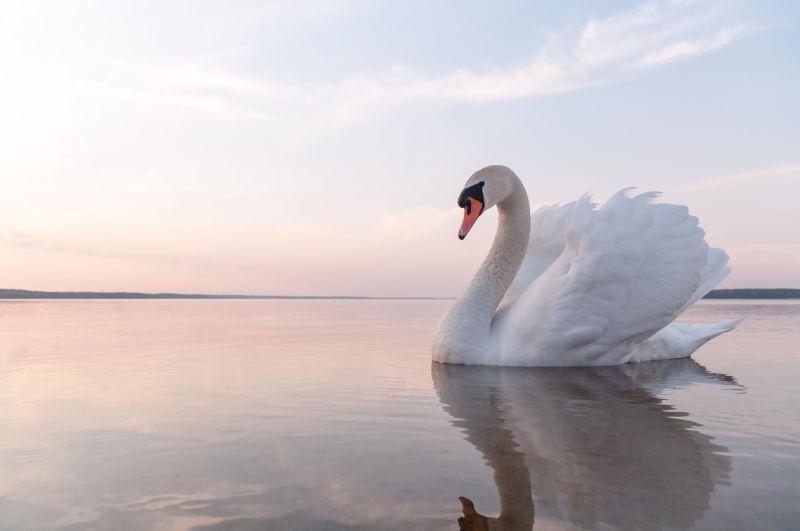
(469, 321)
(500, 266)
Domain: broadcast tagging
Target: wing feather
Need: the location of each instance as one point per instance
(598, 281)
(549, 228)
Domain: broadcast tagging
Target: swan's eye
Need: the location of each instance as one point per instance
(468, 206)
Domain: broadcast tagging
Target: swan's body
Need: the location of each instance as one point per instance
(579, 285)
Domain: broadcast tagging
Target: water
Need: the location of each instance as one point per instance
(314, 415)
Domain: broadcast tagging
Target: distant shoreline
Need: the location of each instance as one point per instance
(754, 293)
(33, 294)
(744, 293)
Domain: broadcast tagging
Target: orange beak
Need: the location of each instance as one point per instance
(472, 209)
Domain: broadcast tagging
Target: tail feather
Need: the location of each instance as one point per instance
(678, 340)
(699, 334)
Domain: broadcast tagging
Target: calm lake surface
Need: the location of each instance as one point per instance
(312, 415)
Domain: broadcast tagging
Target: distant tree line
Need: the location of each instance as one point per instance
(754, 293)
(30, 294)
(747, 293)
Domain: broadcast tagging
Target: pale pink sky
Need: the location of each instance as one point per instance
(307, 148)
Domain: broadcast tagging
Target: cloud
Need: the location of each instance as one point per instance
(694, 47)
(604, 51)
(13, 238)
(736, 178)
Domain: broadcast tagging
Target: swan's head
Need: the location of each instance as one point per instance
(483, 190)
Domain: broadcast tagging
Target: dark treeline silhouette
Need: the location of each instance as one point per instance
(754, 293)
(30, 294)
(748, 293)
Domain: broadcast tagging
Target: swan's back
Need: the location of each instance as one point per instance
(597, 283)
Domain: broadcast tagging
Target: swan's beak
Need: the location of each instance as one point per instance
(472, 209)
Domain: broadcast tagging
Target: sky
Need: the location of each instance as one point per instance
(293, 147)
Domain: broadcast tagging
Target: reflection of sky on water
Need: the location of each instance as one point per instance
(321, 415)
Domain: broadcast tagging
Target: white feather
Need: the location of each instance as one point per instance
(596, 286)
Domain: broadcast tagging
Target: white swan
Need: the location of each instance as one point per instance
(579, 285)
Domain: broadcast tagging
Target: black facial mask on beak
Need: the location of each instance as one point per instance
(475, 191)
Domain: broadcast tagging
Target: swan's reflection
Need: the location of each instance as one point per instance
(591, 446)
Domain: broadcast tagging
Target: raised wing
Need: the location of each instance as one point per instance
(549, 226)
(626, 271)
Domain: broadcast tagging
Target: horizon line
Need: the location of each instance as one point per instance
(14, 293)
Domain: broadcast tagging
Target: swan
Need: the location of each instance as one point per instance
(578, 285)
